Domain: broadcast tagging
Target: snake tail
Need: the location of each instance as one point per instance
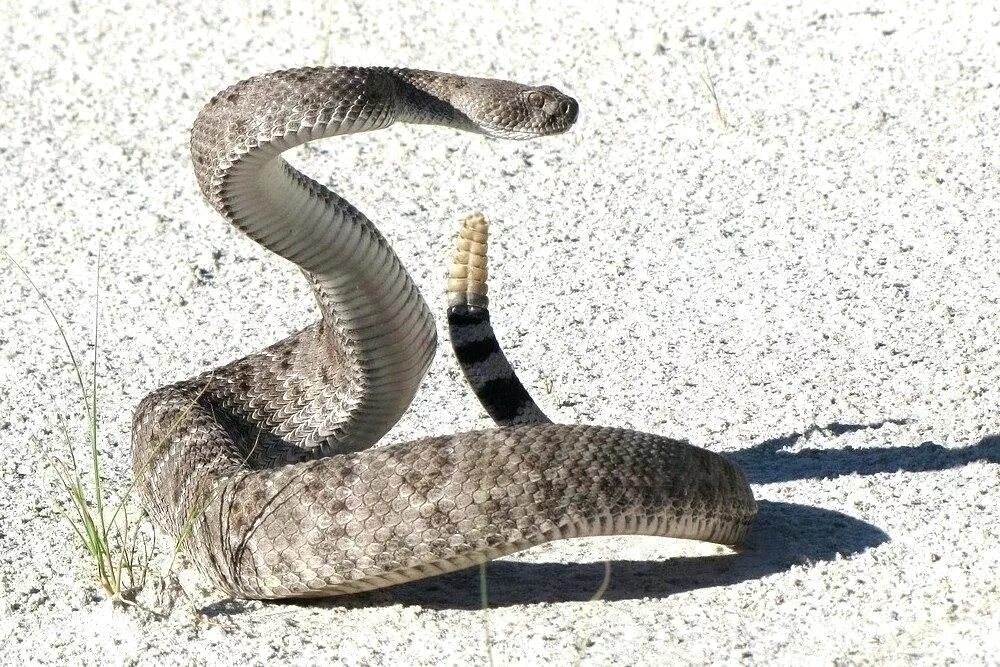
(484, 364)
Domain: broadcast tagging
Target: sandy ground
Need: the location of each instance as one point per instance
(801, 275)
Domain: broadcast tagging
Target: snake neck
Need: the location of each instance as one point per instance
(378, 329)
(431, 98)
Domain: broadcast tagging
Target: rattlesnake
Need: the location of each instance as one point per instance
(263, 465)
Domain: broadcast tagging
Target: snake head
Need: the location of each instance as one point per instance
(508, 110)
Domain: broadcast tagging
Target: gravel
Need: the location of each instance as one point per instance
(772, 233)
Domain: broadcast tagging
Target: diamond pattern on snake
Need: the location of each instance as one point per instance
(267, 463)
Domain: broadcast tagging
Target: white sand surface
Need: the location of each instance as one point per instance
(803, 277)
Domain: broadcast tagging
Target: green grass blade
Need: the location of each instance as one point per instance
(112, 546)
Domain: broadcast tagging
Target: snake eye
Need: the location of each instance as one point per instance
(564, 107)
(536, 99)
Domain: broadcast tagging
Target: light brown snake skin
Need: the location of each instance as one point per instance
(265, 463)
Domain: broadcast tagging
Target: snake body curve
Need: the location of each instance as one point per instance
(263, 465)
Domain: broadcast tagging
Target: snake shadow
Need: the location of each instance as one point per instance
(768, 462)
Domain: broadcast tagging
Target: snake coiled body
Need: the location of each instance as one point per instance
(264, 466)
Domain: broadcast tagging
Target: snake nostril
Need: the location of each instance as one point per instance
(569, 108)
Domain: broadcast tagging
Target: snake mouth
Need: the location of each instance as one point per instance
(520, 135)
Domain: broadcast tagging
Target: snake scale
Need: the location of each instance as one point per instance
(265, 465)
